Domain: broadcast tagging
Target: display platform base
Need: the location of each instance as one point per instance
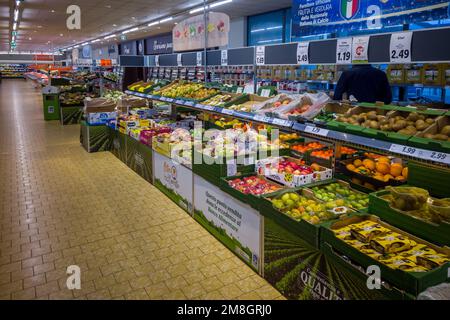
(139, 158)
(71, 115)
(94, 138)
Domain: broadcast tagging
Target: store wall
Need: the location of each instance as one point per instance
(238, 33)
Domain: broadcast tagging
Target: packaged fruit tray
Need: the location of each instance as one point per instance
(374, 172)
(225, 99)
(340, 190)
(301, 213)
(249, 188)
(405, 261)
(291, 172)
(420, 215)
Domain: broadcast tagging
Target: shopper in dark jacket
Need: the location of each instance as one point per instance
(365, 83)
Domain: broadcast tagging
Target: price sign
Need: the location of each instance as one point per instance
(179, 102)
(224, 57)
(421, 153)
(157, 61)
(260, 55)
(179, 61)
(360, 49)
(240, 90)
(265, 93)
(231, 167)
(317, 130)
(209, 108)
(400, 47)
(303, 53)
(199, 59)
(227, 111)
(281, 122)
(344, 51)
(260, 118)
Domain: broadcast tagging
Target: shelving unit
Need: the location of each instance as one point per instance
(13, 71)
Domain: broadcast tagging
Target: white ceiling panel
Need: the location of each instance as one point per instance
(45, 20)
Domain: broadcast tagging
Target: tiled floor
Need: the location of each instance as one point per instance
(61, 206)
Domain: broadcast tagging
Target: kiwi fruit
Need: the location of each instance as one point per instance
(366, 123)
(413, 116)
(421, 125)
(421, 117)
(374, 125)
(428, 136)
(446, 130)
(442, 137)
(399, 125)
(372, 116)
(384, 122)
(411, 129)
(398, 118)
(360, 119)
(429, 120)
(405, 132)
(410, 123)
(386, 127)
(381, 118)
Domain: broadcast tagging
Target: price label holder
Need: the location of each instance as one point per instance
(179, 102)
(302, 53)
(260, 118)
(260, 54)
(189, 103)
(344, 51)
(157, 61)
(169, 99)
(400, 47)
(224, 57)
(199, 59)
(281, 122)
(209, 108)
(179, 60)
(316, 130)
(227, 111)
(360, 49)
(421, 153)
(240, 90)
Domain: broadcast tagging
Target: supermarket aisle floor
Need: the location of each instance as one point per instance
(61, 206)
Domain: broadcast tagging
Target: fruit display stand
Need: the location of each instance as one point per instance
(139, 158)
(213, 169)
(411, 282)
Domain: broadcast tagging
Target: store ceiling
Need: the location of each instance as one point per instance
(42, 23)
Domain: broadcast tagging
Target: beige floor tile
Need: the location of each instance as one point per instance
(57, 212)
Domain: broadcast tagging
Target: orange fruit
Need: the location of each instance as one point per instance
(384, 160)
(369, 164)
(350, 167)
(383, 167)
(378, 177)
(357, 163)
(396, 169)
(400, 178)
(387, 177)
(405, 172)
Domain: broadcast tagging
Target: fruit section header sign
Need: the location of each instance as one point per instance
(162, 44)
(189, 34)
(325, 16)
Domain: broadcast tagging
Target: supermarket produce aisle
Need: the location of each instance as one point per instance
(60, 206)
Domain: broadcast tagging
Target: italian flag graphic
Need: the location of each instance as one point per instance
(349, 8)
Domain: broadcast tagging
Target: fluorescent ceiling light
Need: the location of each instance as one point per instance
(165, 20)
(131, 30)
(110, 36)
(216, 4)
(153, 23)
(77, 46)
(16, 14)
(17, 3)
(258, 30)
(273, 40)
(197, 10)
(85, 44)
(273, 28)
(15, 26)
(96, 40)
